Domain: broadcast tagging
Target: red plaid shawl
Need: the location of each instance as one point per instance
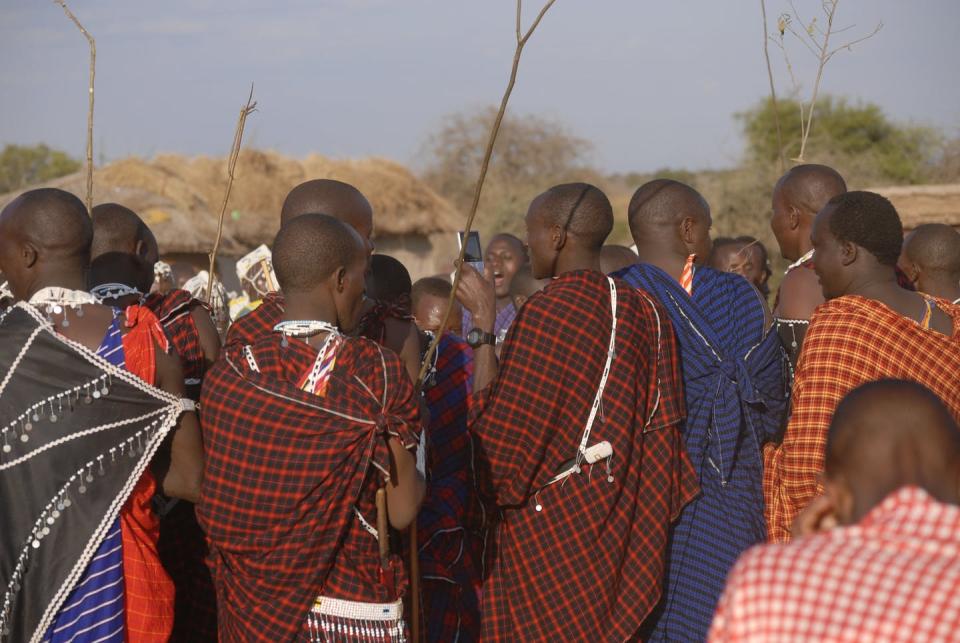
(173, 311)
(851, 340)
(283, 475)
(258, 323)
(589, 566)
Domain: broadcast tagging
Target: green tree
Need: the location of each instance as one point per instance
(531, 154)
(859, 137)
(22, 165)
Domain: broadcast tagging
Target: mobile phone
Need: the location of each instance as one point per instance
(474, 252)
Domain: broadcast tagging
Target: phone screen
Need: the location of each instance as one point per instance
(474, 253)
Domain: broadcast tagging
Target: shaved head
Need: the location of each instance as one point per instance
(388, 280)
(334, 198)
(580, 209)
(888, 434)
(935, 247)
(55, 220)
(614, 258)
(809, 187)
(310, 248)
(117, 228)
(663, 203)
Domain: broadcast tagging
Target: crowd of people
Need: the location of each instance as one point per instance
(608, 443)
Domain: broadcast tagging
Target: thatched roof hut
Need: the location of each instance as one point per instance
(919, 204)
(180, 198)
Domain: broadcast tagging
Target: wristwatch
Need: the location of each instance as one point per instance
(477, 338)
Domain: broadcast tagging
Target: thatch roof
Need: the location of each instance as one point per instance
(919, 204)
(180, 197)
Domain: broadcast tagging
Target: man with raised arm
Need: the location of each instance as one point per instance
(303, 426)
(578, 437)
(869, 328)
(736, 395)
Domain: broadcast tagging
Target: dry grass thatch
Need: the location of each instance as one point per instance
(179, 196)
(919, 204)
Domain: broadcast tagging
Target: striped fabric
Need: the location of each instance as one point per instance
(686, 277)
(94, 610)
(733, 377)
(851, 340)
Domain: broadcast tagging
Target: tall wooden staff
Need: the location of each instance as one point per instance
(245, 111)
(93, 71)
(522, 38)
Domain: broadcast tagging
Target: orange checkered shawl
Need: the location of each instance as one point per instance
(851, 340)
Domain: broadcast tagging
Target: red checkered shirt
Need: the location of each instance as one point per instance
(284, 479)
(894, 576)
(851, 340)
(589, 566)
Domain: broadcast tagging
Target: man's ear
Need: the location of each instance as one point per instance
(29, 254)
(558, 235)
(835, 486)
(912, 271)
(686, 230)
(341, 277)
(793, 217)
(848, 252)
(140, 248)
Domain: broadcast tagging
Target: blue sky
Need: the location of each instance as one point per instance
(650, 84)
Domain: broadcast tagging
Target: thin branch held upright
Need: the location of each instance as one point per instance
(93, 72)
(773, 88)
(521, 39)
(245, 111)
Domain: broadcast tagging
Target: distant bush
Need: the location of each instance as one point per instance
(22, 165)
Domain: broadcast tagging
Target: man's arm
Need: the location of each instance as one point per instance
(209, 337)
(477, 295)
(404, 340)
(800, 294)
(184, 471)
(406, 489)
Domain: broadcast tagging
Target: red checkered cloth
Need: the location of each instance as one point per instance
(258, 323)
(182, 545)
(173, 311)
(851, 340)
(894, 576)
(286, 473)
(589, 566)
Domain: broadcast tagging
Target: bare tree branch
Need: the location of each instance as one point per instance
(245, 111)
(773, 89)
(428, 358)
(93, 73)
(850, 44)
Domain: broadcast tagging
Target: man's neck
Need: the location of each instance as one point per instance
(296, 309)
(67, 281)
(577, 259)
(942, 288)
(669, 262)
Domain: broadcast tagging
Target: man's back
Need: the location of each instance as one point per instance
(894, 576)
(582, 558)
(851, 340)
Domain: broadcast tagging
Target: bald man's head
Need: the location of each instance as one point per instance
(797, 198)
(45, 230)
(888, 434)
(335, 198)
(572, 218)
(935, 247)
(672, 216)
(117, 228)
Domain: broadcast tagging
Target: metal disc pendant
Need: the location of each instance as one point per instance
(96, 395)
(7, 448)
(24, 438)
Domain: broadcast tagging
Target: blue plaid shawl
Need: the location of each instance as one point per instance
(736, 393)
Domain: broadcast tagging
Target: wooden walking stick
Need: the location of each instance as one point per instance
(245, 111)
(93, 73)
(522, 39)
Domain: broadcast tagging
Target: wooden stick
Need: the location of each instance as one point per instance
(245, 111)
(383, 530)
(93, 73)
(521, 41)
(414, 583)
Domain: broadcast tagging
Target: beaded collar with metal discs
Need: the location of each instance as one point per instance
(55, 301)
(304, 329)
(114, 291)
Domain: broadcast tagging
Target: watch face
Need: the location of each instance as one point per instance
(473, 337)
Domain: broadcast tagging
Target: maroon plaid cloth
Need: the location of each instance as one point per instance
(590, 565)
(182, 545)
(173, 311)
(284, 472)
(258, 323)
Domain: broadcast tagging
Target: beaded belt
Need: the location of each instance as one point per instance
(337, 619)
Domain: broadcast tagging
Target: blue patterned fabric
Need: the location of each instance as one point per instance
(94, 610)
(736, 395)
